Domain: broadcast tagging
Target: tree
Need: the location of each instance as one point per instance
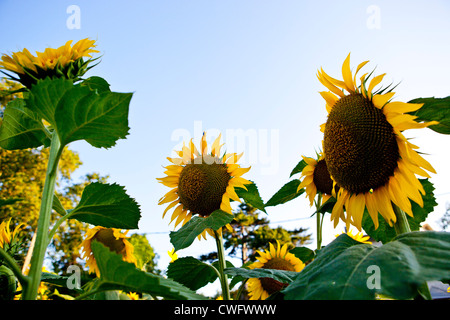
(144, 253)
(444, 222)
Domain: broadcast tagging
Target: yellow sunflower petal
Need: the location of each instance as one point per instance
(380, 100)
(347, 75)
(374, 82)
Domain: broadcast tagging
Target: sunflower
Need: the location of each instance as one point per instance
(358, 237)
(316, 179)
(172, 254)
(112, 238)
(65, 61)
(367, 155)
(6, 236)
(279, 259)
(201, 182)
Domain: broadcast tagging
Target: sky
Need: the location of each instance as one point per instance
(246, 69)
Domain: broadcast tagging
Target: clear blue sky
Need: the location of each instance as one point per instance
(237, 65)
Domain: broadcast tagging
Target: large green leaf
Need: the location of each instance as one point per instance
(86, 111)
(386, 233)
(117, 274)
(107, 205)
(251, 196)
(21, 128)
(99, 118)
(303, 253)
(184, 237)
(46, 95)
(347, 269)
(284, 276)
(287, 193)
(437, 109)
(191, 272)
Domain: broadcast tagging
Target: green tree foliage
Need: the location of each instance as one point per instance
(144, 253)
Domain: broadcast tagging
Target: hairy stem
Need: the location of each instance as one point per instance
(42, 240)
(222, 265)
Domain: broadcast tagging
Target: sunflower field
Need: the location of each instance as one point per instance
(366, 174)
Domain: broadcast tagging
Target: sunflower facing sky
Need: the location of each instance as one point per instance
(65, 61)
(274, 258)
(112, 238)
(316, 179)
(367, 155)
(201, 182)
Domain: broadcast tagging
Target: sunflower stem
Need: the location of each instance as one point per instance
(402, 224)
(319, 222)
(40, 247)
(11, 263)
(222, 265)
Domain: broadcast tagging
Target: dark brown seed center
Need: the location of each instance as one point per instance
(202, 185)
(360, 146)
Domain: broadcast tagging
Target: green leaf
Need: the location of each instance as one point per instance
(46, 95)
(303, 253)
(287, 193)
(57, 280)
(86, 111)
(251, 196)
(283, 276)
(347, 269)
(21, 128)
(386, 233)
(99, 118)
(184, 237)
(107, 205)
(96, 83)
(434, 109)
(191, 272)
(298, 168)
(117, 274)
